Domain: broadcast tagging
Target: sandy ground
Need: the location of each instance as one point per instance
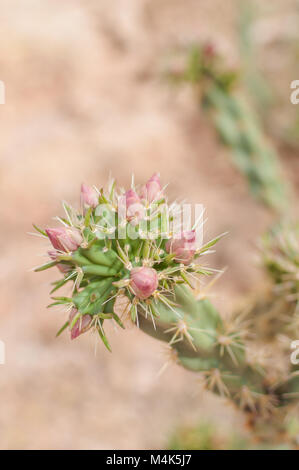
(85, 97)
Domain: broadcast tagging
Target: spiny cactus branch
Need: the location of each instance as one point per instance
(125, 244)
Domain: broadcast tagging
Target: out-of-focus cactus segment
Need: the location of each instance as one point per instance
(238, 126)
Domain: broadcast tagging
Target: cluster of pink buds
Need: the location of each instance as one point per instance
(146, 268)
(149, 193)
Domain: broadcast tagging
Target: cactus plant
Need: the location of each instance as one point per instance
(154, 264)
(237, 124)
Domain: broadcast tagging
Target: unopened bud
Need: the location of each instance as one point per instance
(82, 324)
(89, 196)
(65, 239)
(135, 209)
(183, 247)
(144, 281)
(152, 190)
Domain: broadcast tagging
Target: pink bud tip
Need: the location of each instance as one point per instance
(183, 247)
(65, 239)
(131, 198)
(82, 324)
(89, 196)
(135, 209)
(209, 50)
(144, 281)
(63, 268)
(152, 190)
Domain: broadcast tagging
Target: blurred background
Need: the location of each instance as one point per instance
(87, 95)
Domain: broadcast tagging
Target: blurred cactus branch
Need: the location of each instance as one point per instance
(217, 89)
(275, 312)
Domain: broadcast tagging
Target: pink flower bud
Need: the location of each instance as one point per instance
(63, 268)
(131, 197)
(89, 196)
(152, 190)
(183, 247)
(209, 50)
(82, 324)
(144, 281)
(135, 209)
(65, 239)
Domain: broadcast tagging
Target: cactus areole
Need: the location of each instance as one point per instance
(125, 243)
